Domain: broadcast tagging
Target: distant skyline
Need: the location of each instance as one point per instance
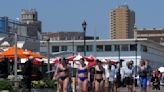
(67, 15)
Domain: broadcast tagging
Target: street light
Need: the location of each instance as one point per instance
(48, 55)
(73, 45)
(84, 25)
(136, 52)
(136, 61)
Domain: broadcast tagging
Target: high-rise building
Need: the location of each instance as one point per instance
(122, 21)
(29, 18)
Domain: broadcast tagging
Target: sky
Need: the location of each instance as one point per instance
(68, 15)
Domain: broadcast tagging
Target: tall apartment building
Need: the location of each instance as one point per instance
(29, 18)
(122, 21)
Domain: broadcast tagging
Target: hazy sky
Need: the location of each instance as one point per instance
(67, 15)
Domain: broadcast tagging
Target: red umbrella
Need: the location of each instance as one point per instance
(90, 64)
(89, 59)
(111, 62)
(35, 61)
(78, 57)
(71, 58)
(93, 61)
(56, 61)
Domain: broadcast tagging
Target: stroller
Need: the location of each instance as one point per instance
(155, 83)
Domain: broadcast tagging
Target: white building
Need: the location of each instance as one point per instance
(109, 49)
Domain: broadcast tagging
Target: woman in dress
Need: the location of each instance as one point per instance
(99, 76)
(82, 74)
(62, 72)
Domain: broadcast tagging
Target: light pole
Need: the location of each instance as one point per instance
(73, 45)
(84, 25)
(15, 59)
(48, 56)
(119, 52)
(136, 53)
(136, 61)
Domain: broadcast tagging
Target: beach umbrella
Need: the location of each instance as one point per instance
(75, 60)
(71, 58)
(92, 61)
(62, 53)
(108, 61)
(36, 61)
(90, 64)
(56, 61)
(29, 53)
(78, 57)
(11, 52)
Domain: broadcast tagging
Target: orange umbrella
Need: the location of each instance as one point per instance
(11, 52)
(30, 53)
(36, 55)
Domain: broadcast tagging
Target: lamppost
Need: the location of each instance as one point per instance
(15, 59)
(136, 61)
(136, 52)
(119, 52)
(73, 45)
(84, 25)
(48, 56)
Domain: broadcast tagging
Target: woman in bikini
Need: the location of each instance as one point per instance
(99, 73)
(62, 71)
(82, 74)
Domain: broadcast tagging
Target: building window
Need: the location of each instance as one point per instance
(108, 48)
(80, 48)
(116, 47)
(124, 47)
(63, 48)
(89, 48)
(133, 47)
(99, 48)
(55, 48)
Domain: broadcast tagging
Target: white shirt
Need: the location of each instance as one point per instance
(126, 72)
(110, 74)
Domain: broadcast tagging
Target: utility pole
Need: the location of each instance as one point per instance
(15, 59)
(48, 55)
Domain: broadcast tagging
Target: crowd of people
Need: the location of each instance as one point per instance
(106, 77)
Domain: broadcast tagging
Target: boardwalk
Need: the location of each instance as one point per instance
(138, 90)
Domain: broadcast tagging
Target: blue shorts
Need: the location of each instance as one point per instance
(143, 82)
